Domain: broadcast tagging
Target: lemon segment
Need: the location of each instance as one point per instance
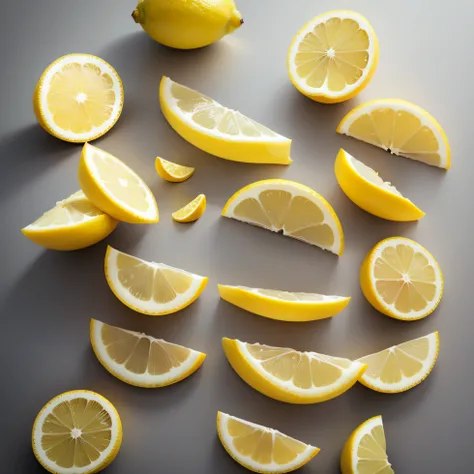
(291, 376)
(172, 172)
(401, 128)
(218, 130)
(77, 432)
(261, 449)
(333, 57)
(192, 211)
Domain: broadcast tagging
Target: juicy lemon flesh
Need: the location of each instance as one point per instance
(371, 453)
(191, 211)
(291, 296)
(172, 171)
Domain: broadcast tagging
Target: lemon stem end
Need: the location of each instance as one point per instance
(136, 15)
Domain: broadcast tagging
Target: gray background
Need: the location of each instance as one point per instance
(47, 297)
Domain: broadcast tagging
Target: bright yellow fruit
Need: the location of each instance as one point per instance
(172, 172)
(218, 130)
(192, 211)
(365, 188)
(401, 128)
(261, 449)
(77, 432)
(78, 98)
(115, 188)
(401, 279)
(284, 206)
(333, 57)
(291, 376)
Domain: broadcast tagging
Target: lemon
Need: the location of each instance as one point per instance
(116, 189)
(77, 432)
(74, 223)
(78, 98)
(401, 128)
(261, 449)
(333, 57)
(187, 24)
(365, 188)
(289, 375)
(172, 172)
(365, 450)
(150, 288)
(284, 206)
(192, 211)
(401, 279)
(283, 305)
(218, 130)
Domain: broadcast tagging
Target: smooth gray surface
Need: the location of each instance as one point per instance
(47, 298)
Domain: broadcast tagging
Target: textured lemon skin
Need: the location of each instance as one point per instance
(163, 172)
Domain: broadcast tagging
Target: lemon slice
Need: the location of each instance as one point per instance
(333, 57)
(401, 128)
(400, 368)
(77, 432)
(283, 305)
(75, 223)
(192, 211)
(150, 288)
(141, 360)
(78, 98)
(365, 450)
(401, 279)
(365, 188)
(262, 449)
(289, 375)
(172, 172)
(284, 206)
(116, 189)
(218, 130)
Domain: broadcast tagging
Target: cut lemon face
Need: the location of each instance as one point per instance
(141, 360)
(365, 452)
(333, 57)
(150, 288)
(289, 375)
(115, 188)
(172, 172)
(365, 188)
(77, 432)
(192, 211)
(401, 128)
(75, 223)
(295, 210)
(283, 305)
(262, 449)
(78, 98)
(401, 279)
(218, 130)
(400, 368)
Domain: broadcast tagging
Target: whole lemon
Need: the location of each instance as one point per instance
(187, 24)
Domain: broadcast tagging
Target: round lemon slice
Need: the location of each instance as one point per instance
(218, 130)
(261, 449)
(283, 305)
(365, 188)
(192, 211)
(291, 208)
(401, 279)
(78, 98)
(77, 432)
(289, 375)
(172, 172)
(115, 188)
(73, 224)
(150, 288)
(141, 360)
(333, 57)
(401, 128)
(365, 452)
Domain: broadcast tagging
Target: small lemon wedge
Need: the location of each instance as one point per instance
(172, 172)
(192, 211)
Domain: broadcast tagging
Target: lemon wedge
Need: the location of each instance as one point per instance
(172, 172)
(401, 128)
(365, 188)
(78, 98)
(284, 206)
(77, 432)
(261, 449)
(283, 305)
(333, 57)
(401, 279)
(289, 375)
(192, 211)
(150, 288)
(218, 130)
(115, 188)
